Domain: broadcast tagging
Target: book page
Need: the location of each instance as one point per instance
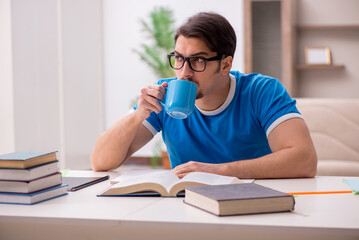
(200, 179)
(209, 178)
(128, 175)
(165, 178)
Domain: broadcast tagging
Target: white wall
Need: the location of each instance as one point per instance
(124, 73)
(7, 137)
(51, 88)
(35, 71)
(80, 33)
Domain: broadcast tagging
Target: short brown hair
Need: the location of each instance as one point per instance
(213, 29)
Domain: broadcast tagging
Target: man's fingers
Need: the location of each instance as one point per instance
(181, 175)
(184, 169)
(148, 99)
(154, 102)
(155, 93)
(163, 87)
(150, 103)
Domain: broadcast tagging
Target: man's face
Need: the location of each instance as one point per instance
(207, 80)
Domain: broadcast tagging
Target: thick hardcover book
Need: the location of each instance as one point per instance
(246, 198)
(29, 174)
(32, 198)
(77, 183)
(163, 183)
(26, 159)
(31, 186)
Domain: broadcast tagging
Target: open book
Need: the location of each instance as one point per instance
(164, 183)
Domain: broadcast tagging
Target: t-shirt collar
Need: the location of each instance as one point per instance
(232, 89)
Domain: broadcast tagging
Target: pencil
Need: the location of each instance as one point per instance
(327, 192)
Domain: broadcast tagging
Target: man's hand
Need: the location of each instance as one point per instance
(148, 100)
(183, 169)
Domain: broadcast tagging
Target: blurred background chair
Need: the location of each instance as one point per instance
(334, 127)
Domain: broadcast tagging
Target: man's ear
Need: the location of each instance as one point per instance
(226, 65)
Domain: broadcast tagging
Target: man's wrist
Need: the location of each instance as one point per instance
(225, 169)
(138, 117)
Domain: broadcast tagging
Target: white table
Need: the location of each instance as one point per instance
(82, 215)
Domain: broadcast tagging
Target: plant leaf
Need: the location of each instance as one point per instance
(160, 31)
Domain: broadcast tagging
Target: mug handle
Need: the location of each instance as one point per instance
(162, 102)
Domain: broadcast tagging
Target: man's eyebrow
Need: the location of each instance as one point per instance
(193, 54)
(199, 53)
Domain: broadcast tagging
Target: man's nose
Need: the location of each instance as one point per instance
(186, 71)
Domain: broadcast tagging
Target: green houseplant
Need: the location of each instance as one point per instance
(159, 31)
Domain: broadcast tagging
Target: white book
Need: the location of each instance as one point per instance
(29, 174)
(32, 198)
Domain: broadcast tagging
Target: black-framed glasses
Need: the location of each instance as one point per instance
(197, 64)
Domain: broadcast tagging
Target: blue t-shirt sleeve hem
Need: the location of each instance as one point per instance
(280, 120)
(150, 127)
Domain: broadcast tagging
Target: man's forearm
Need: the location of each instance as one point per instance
(286, 163)
(127, 135)
(112, 146)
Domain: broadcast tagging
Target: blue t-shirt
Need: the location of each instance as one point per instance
(237, 130)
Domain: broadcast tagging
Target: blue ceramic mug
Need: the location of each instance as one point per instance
(179, 98)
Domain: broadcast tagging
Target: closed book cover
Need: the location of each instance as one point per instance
(28, 174)
(33, 198)
(234, 199)
(31, 186)
(26, 159)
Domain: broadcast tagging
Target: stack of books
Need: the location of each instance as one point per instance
(30, 177)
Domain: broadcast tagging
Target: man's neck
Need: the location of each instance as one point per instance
(215, 100)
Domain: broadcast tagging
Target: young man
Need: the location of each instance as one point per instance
(243, 125)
